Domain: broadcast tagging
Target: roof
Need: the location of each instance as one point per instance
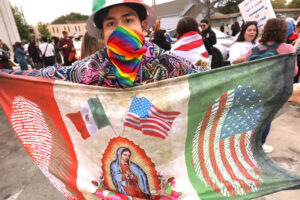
(171, 8)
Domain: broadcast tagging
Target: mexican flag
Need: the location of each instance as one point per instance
(192, 137)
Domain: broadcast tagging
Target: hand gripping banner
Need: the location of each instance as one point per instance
(191, 137)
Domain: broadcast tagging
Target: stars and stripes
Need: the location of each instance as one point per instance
(150, 120)
(222, 156)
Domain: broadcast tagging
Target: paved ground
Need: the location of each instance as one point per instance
(20, 179)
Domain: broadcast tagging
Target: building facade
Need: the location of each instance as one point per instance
(8, 29)
(57, 29)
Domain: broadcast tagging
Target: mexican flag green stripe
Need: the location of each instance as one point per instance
(98, 113)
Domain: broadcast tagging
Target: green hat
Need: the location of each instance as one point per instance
(99, 5)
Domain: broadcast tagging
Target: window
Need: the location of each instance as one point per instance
(57, 29)
(75, 29)
(79, 28)
(68, 28)
(53, 30)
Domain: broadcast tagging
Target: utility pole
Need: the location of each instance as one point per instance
(154, 5)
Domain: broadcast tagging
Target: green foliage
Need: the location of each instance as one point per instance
(22, 26)
(72, 17)
(230, 7)
(294, 4)
(278, 3)
(43, 30)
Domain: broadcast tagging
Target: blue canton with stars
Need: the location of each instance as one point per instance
(245, 112)
(140, 106)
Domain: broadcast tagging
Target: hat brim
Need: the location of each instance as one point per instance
(95, 32)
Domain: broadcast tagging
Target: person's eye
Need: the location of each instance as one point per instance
(129, 20)
(109, 24)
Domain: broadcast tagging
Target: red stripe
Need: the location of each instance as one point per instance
(155, 128)
(201, 152)
(191, 33)
(212, 157)
(132, 126)
(190, 46)
(78, 122)
(153, 133)
(237, 162)
(169, 115)
(226, 164)
(245, 155)
(204, 54)
(149, 120)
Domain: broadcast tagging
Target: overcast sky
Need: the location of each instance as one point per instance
(48, 10)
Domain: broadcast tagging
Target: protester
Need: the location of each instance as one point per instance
(77, 46)
(245, 41)
(55, 43)
(5, 48)
(4, 57)
(20, 55)
(189, 44)
(160, 39)
(90, 45)
(135, 61)
(291, 34)
(222, 28)
(209, 37)
(66, 46)
(273, 39)
(235, 29)
(48, 52)
(34, 53)
(297, 48)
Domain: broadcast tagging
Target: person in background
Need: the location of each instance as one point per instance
(135, 62)
(297, 48)
(66, 46)
(55, 43)
(160, 39)
(222, 28)
(5, 48)
(188, 36)
(208, 35)
(4, 57)
(90, 45)
(291, 34)
(273, 36)
(77, 45)
(245, 41)
(20, 55)
(48, 52)
(235, 29)
(34, 52)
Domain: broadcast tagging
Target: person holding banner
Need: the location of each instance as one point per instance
(245, 42)
(129, 60)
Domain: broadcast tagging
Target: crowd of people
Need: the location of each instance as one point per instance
(152, 59)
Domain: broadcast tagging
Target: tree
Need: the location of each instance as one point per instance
(209, 6)
(294, 4)
(72, 17)
(22, 26)
(278, 3)
(230, 7)
(43, 30)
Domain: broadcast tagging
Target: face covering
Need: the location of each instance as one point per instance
(125, 50)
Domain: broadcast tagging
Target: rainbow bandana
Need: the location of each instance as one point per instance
(125, 50)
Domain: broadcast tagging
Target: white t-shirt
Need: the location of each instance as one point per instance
(239, 49)
(77, 46)
(49, 51)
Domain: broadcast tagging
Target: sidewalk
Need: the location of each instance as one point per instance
(20, 179)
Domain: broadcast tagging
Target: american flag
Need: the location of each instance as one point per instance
(147, 118)
(190, 46)
(222, 153)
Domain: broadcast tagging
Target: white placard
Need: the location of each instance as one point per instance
(257, 10)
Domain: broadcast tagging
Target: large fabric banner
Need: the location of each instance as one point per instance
(191, 137)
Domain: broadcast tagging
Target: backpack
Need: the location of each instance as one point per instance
(263, 51)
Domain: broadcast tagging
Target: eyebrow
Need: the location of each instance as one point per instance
(125, 15)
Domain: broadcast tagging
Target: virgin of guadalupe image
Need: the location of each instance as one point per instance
(128, 178)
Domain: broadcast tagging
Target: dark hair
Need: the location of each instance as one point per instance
(159, 35)
(17, 45)
(125, 149)
(44, 39)
(204, 21)
(186, 25)
(241, 37)
(100, 15)
(274, 30)
(298, 24)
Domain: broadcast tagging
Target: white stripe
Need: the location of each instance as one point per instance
(206, 152)
(153, 124)
(223, 170)
(161, 114)
(90, 124)
(249, 148)
(240, 156)
(132, 123)
(235, 168)
(186, 40)
(160, 121)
